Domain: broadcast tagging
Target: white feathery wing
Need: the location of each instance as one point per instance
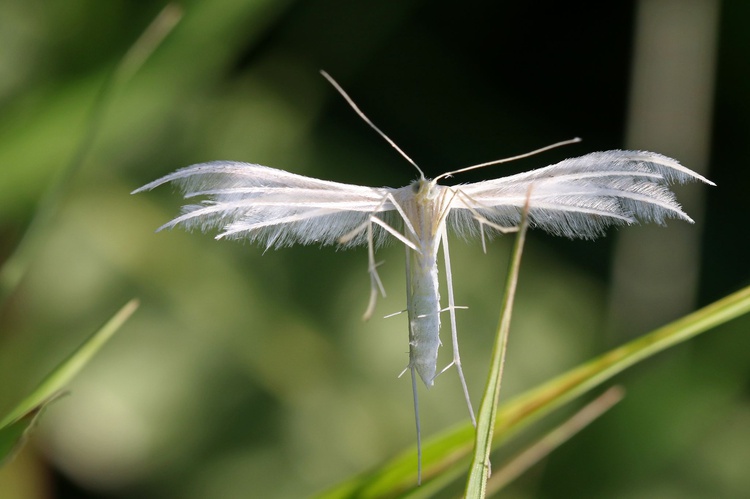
(272, 207)
(576, 198)
(579, 197)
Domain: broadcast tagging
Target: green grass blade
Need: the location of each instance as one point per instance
(15, 266)
(16, 424)
(446, 454)
(566, 387)
(544, 446)
(13, 436)
(480, 466)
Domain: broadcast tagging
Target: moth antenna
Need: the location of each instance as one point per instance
(507, 160)
(367, 120)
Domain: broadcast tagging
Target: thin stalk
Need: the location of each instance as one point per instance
(554, 439)
(479, 472)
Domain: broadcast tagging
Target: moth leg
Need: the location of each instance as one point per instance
(454, 332)
(483, 220)
(374, 219)
(372, 268)
(375, 283)
(394, 314)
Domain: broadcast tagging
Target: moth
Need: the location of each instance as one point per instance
(575, 198)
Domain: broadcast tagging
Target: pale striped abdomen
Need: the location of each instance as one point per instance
(424, 313)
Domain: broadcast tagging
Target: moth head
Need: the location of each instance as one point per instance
(424, 188)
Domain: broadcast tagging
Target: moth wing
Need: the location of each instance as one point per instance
(578, 197)
(273, 207)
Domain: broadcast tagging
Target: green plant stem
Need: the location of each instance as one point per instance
(480, 467)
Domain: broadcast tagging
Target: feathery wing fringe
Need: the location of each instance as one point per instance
(274, 207)
(576, 198)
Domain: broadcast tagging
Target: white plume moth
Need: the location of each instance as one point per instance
(576, 198)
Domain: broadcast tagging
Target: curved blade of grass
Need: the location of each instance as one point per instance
(554, 439)
(16, 424)
(15, 267)
(479, 471)
(14, 435)
(446, 455)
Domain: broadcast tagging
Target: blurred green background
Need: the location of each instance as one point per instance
(247, 374)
